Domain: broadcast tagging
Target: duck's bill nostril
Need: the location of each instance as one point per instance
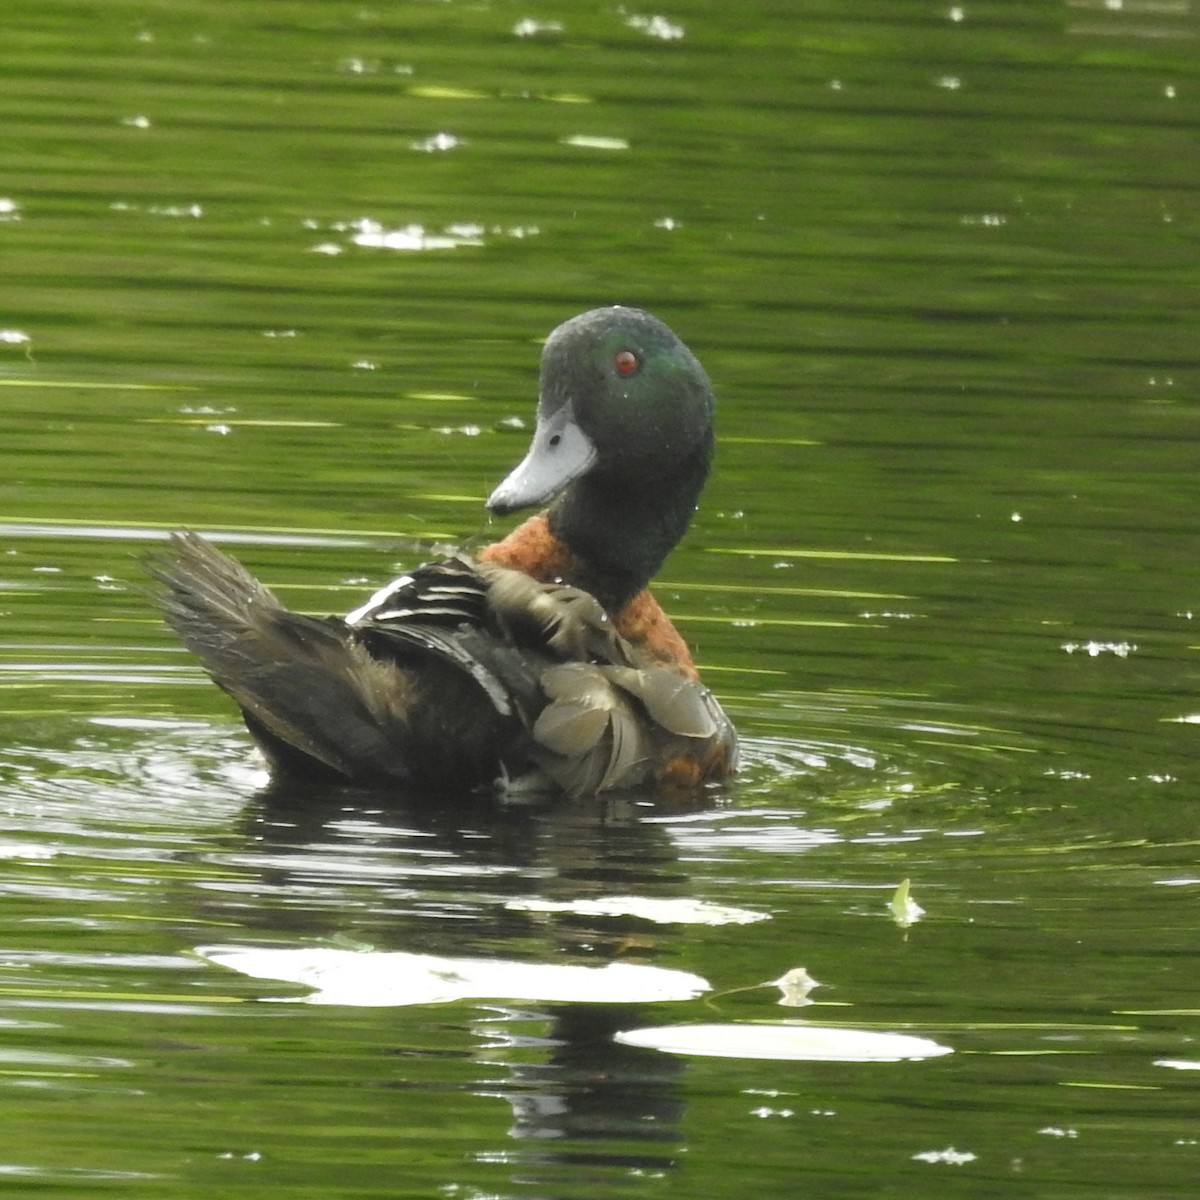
(559, 453)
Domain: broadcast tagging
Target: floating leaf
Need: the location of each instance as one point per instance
(795, 986)
(794, 1041)
(904, 909)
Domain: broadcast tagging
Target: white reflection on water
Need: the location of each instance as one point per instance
(373, 235)
(370, 978)
(677, 910)
(793, 1041)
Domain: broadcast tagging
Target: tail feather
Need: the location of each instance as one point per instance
(318, 703)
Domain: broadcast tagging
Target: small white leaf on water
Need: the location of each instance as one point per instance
(795, 986)
(904, 909)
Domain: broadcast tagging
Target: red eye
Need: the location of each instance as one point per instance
(626, 362)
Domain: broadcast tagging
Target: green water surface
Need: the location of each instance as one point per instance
(280, 270)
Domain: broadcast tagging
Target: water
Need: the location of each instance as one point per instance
(280, 271)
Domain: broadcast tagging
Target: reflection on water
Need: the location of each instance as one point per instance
(145, 838)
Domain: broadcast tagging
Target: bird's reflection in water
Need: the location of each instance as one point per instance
(457, 880)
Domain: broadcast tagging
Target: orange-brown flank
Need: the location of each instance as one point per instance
(690, 770)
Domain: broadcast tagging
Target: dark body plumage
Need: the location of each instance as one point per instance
(541, 663)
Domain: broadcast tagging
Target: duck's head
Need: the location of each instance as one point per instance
(622, 444)
(620, 396)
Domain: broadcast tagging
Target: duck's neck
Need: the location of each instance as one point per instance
(620, 531)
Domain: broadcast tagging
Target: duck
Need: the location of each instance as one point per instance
(542, 663)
